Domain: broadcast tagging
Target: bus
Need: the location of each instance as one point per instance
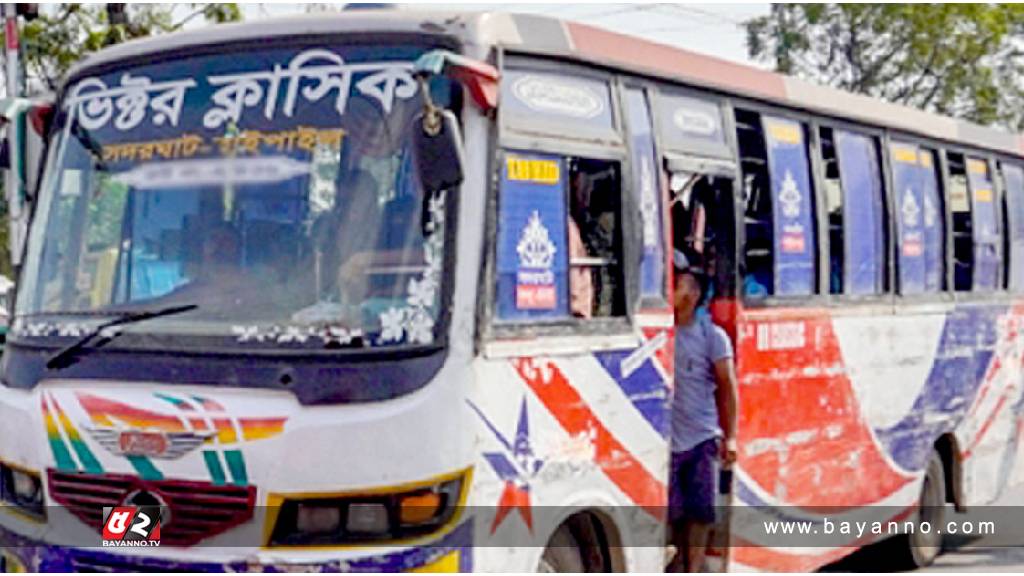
(390, 290)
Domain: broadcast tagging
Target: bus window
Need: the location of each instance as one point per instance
(987, 238)
(853, 193)
(595, 257)
(780, 249)
(1013, 183)
(934, 220)
(559, 238)
(757, 215)
(920, 220)
(960, 207)
(647, 195)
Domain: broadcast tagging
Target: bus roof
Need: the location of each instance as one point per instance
(544, 35)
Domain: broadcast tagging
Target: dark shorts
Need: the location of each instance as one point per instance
(693, 483)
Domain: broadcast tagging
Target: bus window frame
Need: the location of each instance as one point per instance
(938, 149)
(878, 136)
(1007, 246)
(988, 157)
(651, 93)
(561, 66)
(817, 298)
(663, 150)
(508, 338)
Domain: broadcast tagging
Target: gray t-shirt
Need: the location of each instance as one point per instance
(694, 411)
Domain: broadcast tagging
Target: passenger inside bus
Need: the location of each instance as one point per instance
(594, 239)
(218, 282)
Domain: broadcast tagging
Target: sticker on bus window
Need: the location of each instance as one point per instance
(535, 280)
(532, 261)
(792, 208)
(532, 170)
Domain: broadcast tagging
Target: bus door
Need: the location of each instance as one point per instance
(701, 175)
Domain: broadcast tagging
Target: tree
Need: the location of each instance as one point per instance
(961, 60)
(63, 34)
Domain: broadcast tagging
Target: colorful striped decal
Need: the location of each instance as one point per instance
(620, 466)
(85, 456)
(61, 454)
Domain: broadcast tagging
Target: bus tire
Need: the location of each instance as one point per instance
(918, 550)
(562, 554)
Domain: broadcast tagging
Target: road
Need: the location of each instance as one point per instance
(961, 554)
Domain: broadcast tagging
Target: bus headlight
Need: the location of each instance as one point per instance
(366, 518)
(22, 489)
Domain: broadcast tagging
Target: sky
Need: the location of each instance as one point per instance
(713, 29)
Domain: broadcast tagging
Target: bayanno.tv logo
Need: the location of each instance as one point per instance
(131, 526)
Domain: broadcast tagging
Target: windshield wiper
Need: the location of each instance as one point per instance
(69, 355)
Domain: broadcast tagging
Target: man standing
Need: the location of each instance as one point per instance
(703, 419)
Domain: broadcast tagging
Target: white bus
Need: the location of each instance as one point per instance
(322, 322)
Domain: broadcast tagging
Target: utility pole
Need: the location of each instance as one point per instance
(13, 178)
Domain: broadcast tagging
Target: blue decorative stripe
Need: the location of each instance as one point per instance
(952, 384)
(645, 387)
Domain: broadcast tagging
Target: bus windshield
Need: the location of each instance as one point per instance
(274, 189)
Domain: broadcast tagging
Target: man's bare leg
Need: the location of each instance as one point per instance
(696, 545)
(678, 541)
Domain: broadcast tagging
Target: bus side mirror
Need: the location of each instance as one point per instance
(436, 138)
(438, 150)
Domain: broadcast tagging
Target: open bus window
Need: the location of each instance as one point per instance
(834, 209)
(757, 214)
(779, 222)
(595, 256)
(853, 196)
(960, 207)
(703, 230)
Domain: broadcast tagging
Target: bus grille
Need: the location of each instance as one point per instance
(198, 510)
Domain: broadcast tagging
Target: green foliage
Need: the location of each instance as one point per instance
(65, 33)
(961, 60)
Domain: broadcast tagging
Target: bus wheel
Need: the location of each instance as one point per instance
(562, 554)
(921, 548)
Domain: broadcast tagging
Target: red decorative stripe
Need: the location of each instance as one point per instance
(618, 464)
(984, 427)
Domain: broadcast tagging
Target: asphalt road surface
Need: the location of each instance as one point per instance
(961, 554)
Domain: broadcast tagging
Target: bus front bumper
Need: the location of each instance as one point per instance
(452, 553)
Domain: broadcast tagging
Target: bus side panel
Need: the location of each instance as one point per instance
(841, 409)
(988, 439)
(557, 435)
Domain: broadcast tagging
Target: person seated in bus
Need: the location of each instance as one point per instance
(218, 283)
(581, 279)
(595, 226)
(703, 418)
